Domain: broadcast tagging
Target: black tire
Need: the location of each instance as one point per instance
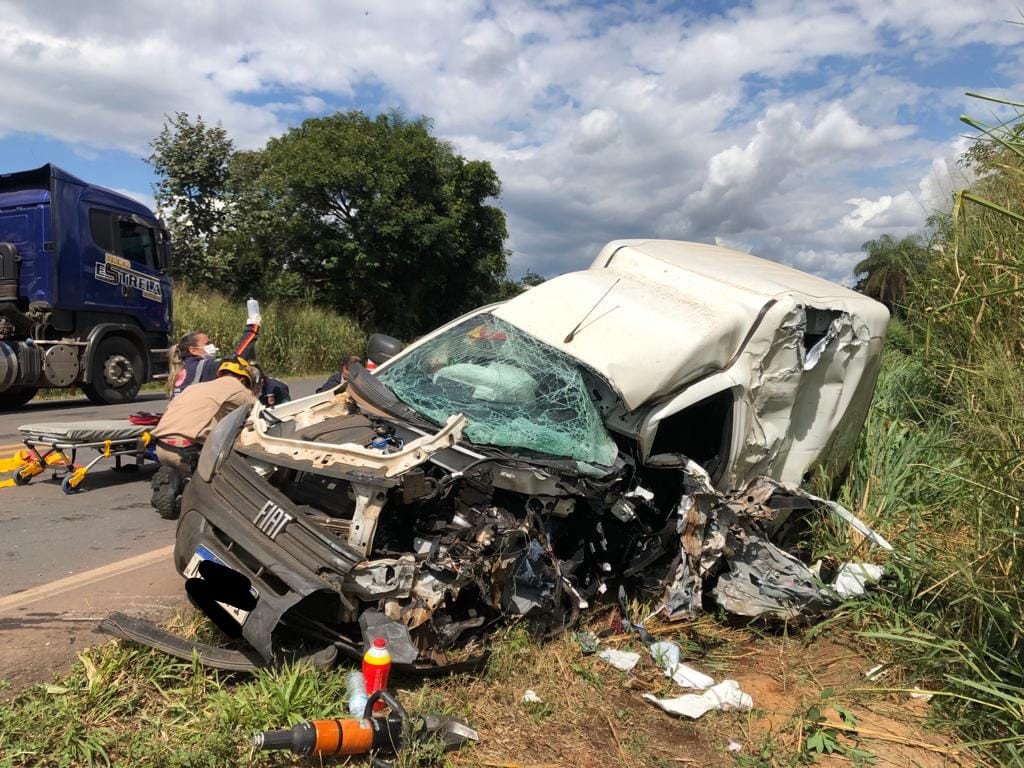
(15, 397)
(119, 358)
(167, 485)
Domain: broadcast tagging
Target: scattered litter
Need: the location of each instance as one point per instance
(623, 660)
(917, 693)
(726, 697)
(875, 672)
(374, 624)
(531, 698)
(588, 642)
(688, 677)
(666, 655)
(853, 578)
(735, 746)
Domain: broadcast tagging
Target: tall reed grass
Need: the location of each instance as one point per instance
(940, 468)
(295, 339)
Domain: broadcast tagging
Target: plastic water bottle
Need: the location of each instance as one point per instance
(357, 697)
(252, 308)
(376, 668)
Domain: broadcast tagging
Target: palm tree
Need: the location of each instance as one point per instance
(890, 265)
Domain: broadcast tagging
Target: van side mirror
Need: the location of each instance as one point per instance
(381, 348)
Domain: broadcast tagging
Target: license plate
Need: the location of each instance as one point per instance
(192, 572)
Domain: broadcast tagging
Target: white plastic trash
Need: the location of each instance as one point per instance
(666, 655)
(726, 697)
(853, 578)
(623, 660)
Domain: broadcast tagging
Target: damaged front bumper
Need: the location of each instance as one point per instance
(304, 550)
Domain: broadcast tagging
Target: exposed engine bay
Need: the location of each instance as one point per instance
(438, 542)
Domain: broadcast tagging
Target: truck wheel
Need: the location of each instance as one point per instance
(12, 399)
(116, 372)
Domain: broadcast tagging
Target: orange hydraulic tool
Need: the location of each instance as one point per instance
(360, 736)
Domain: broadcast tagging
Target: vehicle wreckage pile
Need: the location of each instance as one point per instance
(500, 469)
(484, 556)
(447, 555)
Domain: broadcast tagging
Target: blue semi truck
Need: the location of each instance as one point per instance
(85, 296)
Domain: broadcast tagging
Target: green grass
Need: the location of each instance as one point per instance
(295, 339)
(127, 705)
(940, 471)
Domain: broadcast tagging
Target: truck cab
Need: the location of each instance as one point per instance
(85, 298)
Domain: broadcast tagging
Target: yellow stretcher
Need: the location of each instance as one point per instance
(57, 446)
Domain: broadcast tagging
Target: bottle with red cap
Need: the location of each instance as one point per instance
(376, 668)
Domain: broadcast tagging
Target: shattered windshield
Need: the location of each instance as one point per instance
(514, 390)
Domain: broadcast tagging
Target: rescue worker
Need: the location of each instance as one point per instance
(339, 377)
(273, 391)
(188, 421)
(194, 358)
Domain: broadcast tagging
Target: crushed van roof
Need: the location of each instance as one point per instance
(671, 311)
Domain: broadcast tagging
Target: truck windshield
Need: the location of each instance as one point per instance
(514, 390)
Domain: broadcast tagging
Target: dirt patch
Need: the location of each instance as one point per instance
(42, 638)
(594, 715)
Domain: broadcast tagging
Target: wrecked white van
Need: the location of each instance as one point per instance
(639, 425)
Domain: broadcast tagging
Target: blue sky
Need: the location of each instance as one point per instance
(795, 130)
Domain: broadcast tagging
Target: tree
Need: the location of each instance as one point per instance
(191, 160)
(508, 288)
(376, 217)
(890, 265)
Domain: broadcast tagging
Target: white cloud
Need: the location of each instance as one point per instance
(142, 197)
(596, 130)
(885, 213)
(789, 127)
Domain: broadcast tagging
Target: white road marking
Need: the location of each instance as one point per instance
(60, 586)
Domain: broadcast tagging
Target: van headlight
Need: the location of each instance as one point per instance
(219, 443)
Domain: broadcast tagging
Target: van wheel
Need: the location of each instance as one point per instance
(116, 373)
(15, 397)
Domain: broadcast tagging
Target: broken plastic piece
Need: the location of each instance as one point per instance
(374, 624)
(726, 697)
(529, 697)
(622, 660)
(588, 642)
(666, 655)
(853, 578)
(875, 672)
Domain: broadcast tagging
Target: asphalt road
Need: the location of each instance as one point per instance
(46, 535)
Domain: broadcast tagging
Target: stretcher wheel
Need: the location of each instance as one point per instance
(19, 479)
(67, 487)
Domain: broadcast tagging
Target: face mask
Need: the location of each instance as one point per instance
(211, 349)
